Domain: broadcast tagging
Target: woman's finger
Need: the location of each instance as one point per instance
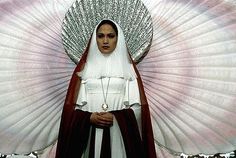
(104, 119)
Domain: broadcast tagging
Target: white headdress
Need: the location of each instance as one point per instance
(115, 64)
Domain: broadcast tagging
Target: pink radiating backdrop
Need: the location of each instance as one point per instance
(189, 74)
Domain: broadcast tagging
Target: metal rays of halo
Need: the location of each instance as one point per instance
(131, 15)
(189, 75)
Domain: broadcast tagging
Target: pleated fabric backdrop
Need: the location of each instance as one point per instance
(189, 75)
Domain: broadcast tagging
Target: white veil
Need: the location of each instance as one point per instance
(116, 64)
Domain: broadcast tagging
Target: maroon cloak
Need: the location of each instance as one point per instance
(75, 126)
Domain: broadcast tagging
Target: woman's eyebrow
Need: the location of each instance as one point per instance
(103, 32)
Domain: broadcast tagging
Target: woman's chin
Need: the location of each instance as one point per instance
(106, 51)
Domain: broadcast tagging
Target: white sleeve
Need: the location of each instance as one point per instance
(132, 95)
(132, 99)
(82, 97)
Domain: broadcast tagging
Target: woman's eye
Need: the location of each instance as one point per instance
(100, 35)
(111, 35)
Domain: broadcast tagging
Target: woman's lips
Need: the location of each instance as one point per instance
(105, 47)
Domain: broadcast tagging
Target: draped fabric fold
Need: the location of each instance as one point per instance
(106, 143)
(74, 140)
(130, 133)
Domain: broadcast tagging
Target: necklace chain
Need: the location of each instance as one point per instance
(104, 105)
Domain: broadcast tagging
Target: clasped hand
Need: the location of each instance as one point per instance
(102, 119)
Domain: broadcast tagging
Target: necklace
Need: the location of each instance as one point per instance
(105, 105)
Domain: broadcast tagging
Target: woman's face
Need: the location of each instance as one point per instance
(106, 39)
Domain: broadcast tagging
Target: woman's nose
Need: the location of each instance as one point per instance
(105, 41)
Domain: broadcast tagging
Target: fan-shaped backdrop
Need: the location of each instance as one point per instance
(189, 74)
